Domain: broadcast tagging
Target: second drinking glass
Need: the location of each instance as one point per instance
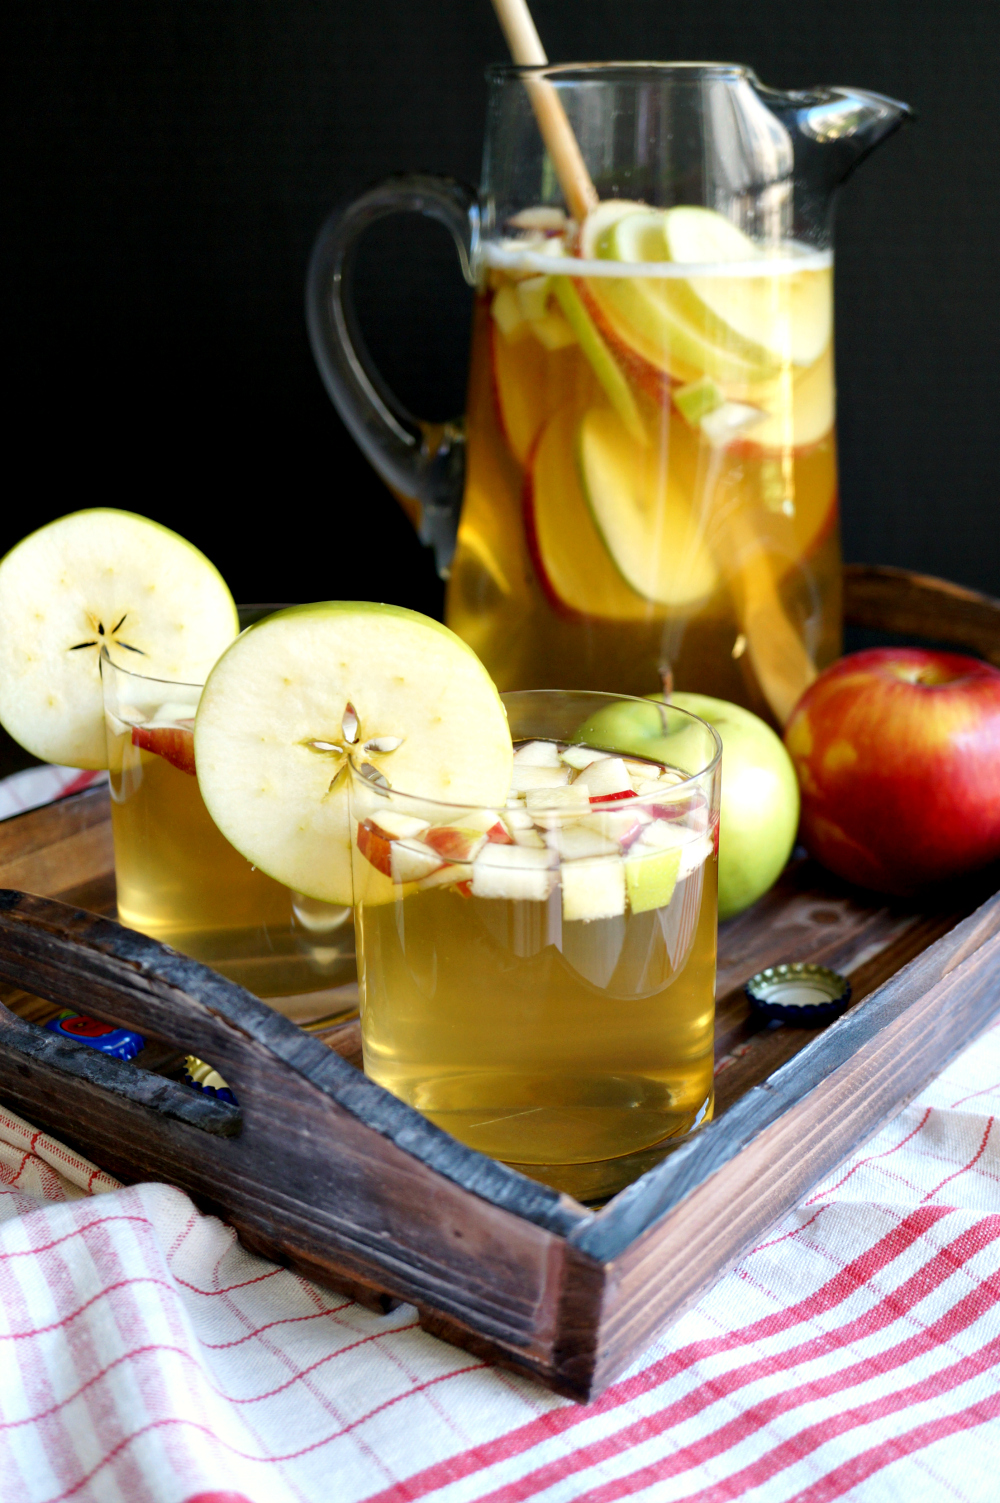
(540, 979)
(180, 881)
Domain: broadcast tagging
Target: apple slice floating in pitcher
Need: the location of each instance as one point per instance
(100, 580)
(643, 515)
(310, 688)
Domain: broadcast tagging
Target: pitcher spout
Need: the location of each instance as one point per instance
(846, 123)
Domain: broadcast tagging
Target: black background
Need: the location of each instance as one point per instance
(168, 164)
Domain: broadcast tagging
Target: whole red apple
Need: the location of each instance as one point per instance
(897, 751)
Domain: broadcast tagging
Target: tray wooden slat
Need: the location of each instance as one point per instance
(325, 1171)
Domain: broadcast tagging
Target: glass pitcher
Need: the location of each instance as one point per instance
(644, 487)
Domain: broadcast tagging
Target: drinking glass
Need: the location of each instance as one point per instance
(551, 1001)
(180, 881)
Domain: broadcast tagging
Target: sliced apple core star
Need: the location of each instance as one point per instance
(305, 691)
(100, 581)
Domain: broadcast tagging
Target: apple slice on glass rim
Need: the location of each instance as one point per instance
(313, 689)
(100, 582)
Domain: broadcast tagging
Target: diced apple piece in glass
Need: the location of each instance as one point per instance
(518, 819)
(609, 776)
(530, 838)
(593, 889)
(582, 756)
(651, 876)
(664, 834)
(514, 872)
(537, 754)
(455, 842)
(525, 778)
(576, 842)
(554, 806)
(621, 826)
(448, 875)
(395, 825)
(411, 860)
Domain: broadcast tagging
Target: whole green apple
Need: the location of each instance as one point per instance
(760, 794)
(759, 812)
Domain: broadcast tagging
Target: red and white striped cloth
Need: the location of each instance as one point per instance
(43, 785)
(854, 1355)
(145, 1357)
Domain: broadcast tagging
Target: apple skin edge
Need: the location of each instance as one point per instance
(897, 752)
(174, 743)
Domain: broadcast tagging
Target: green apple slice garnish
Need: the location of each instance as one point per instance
(310, 688)
(100, 580)
(657, 318)
(643, 515)
(602, 362)
(788, 317)
(567, 550)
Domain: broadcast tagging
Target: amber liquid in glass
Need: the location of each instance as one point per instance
(180, 881)
(571, 572)
(577, 1051)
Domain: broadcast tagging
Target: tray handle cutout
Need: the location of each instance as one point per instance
(169, 1098)
(96, 966)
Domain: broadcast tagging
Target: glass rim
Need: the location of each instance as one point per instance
(146, 678)
(675, 791)
(589, 72)
(183, 683)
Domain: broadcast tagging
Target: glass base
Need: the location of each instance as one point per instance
(599, 1181)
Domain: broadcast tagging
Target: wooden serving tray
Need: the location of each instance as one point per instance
(323, 1170)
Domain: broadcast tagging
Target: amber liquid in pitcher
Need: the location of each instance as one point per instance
(589, 559)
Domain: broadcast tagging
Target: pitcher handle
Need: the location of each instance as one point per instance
(423, 464)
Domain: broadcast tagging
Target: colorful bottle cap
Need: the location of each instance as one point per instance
(807, 996)
(206, 1078)
(119, 1043)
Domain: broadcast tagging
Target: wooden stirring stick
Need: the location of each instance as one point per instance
(776, 652)
(527, 51)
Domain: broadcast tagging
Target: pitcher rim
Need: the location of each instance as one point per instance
(502, 72)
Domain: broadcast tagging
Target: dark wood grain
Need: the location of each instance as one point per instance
(60, 847)
(918, 605)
